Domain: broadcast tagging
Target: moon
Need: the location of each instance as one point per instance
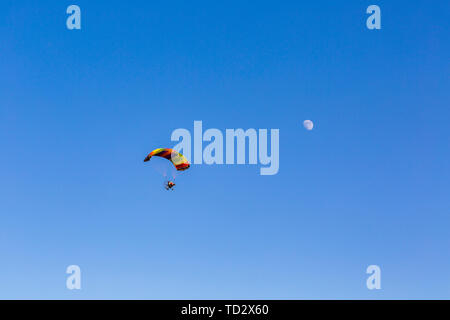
(308, 124)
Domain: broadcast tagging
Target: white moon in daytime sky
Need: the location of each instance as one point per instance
(308, 124)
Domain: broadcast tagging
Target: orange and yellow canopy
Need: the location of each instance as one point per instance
(179, 161)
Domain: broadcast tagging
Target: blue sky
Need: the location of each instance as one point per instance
(79, 110)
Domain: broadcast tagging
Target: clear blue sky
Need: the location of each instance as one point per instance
(79, 110)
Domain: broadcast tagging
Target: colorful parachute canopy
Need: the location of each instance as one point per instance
(179, 161)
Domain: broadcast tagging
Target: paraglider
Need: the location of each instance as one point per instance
(178, 160)
(169, 185)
